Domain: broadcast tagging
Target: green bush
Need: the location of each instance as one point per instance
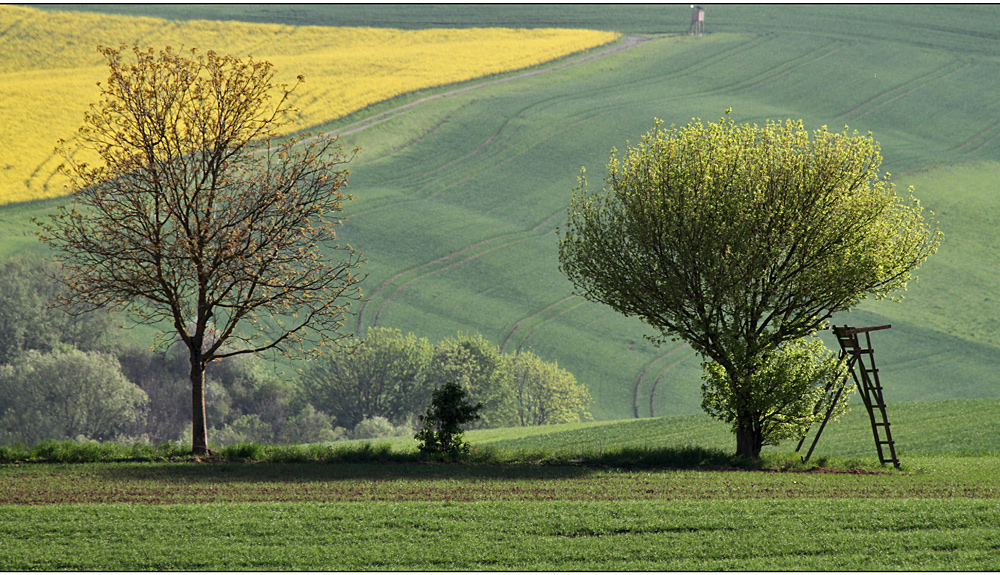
(441, 433)
(310, 426)
(246, 429)
(375, 427)
(65, 394)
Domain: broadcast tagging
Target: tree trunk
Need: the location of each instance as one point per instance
(749, 440)
(199, 427)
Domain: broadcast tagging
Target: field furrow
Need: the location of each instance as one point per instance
(554, 317)
(445, 268)
(510, 333)
(889, 96)
(642, 374)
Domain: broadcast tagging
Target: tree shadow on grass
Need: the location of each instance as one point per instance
(387, 466)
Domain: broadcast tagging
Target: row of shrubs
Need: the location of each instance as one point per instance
(66, 377)
(690, 457)
(375, 452)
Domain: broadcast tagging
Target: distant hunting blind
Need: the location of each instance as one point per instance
(697, 21)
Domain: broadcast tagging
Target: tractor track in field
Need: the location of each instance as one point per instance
(646, 368)
(528, 317)
(375, 119)
(387, 115)
(977, 136)
(902, 90)
(540, 228)
(507, 239)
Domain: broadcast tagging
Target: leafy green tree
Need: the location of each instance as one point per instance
(65, 395)
(546, 393)
(245, 429)
(198, 218)
(382, 376)
(787, 392)
(377, 426)
(28, 321)
(479, 366)
(247, 385)
(739, 238)
(234, 387)
(310, 426)
(441, 425)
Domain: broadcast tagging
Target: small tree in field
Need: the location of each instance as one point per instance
(197, 217)
(738, 239)
(441, 430)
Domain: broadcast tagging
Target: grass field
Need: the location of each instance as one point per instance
(941, 511)
(459, 196)
(484, 258)
(458, 199)
(752, 534)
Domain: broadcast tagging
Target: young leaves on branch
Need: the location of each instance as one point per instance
(199, 217)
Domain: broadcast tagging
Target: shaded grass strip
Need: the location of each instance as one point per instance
(385, 452)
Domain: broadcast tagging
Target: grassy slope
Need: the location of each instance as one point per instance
(920, 429)
(483, 179)
(939, 513)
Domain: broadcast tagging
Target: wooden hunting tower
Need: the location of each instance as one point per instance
(697, 21)
(865, 376)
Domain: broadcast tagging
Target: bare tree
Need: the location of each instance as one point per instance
(199, 218)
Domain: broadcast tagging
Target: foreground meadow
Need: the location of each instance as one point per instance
(49, 67)
(940, 513)
(629, 495)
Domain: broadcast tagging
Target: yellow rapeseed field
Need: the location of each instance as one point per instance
(49, 67)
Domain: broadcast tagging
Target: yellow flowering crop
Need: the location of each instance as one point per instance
(49, 67)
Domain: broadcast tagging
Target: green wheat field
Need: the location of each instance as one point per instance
(460, 190)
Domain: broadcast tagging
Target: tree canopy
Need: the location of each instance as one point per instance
(199, 218)
(740, 238)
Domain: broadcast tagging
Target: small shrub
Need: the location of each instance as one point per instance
(246, 451)
(376, 427)
(442, 431)
(372, 427)
(310, 426)
(246, 429)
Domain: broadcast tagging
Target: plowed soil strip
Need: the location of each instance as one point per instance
(171, 483)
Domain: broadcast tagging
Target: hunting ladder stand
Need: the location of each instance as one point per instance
(866, 378)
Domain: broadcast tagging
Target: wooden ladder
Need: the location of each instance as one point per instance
(866, 378)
